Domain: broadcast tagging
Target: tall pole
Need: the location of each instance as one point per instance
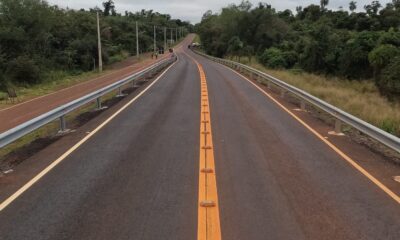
(155, 39)
(99, 44)
(171, 36)
(137, 41)
(165, 40)
(176, 34)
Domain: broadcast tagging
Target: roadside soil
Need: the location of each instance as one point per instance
(22, 112)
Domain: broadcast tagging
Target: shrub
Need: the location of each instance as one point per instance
(3, 84)
(273, 58)
(291, 58)
(23, 70)
(389, 82)
(381, 56)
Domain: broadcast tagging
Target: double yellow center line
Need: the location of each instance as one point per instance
(208, 227)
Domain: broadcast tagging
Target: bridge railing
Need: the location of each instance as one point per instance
(339, 115)
(23, 129)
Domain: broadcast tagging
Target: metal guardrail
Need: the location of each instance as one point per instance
(340, 116)
(60, 112)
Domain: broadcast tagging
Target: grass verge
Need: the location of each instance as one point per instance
(359, 98)
(58, 80)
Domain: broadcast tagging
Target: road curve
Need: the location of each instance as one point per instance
(138, 176)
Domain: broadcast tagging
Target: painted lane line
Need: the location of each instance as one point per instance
(208, 225)
(29, 184)
(344, 156)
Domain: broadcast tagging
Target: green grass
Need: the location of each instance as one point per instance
(359, 98)
(119, 57)
(56, 80)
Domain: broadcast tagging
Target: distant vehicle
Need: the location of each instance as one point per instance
(195, 44)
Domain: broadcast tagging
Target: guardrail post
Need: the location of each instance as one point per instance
(260, 79)
(63, 125)
(283, 93)
(120, 93)
(269, 84)
(303, 105)
(98, 104)
(338, 128)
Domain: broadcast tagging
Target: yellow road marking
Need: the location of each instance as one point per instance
(29, 184)
(208, 225)
(394, 196)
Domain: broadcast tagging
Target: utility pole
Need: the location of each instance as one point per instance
(165, 40)
(176, 34)
(155, 44)
(137, 41)
(171, 37)
(99, 44)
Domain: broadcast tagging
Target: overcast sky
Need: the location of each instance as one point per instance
(192, 10)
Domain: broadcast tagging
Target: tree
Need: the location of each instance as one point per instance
(352, 6)
(23, 70)
(235, 46)
(109, 8)
(381, 56)
(373, 8)
(248, 51)
(273, 58)
(389, 82)
(324, 3)
(37, 39)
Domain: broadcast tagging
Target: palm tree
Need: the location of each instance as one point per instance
(324, 3)
(352, 6)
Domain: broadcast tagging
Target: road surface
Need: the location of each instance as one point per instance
(140, 175)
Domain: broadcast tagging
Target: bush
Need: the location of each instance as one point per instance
(273, 58)
(23, 70)
(3, 83)
(389, 82)
(291, 58)
(381, 56)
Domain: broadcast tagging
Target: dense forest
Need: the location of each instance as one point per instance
(38, 40)
(362, 42)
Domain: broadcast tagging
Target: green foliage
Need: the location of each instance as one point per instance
(382, 56)
(352, 6)
(23, 70)
(273, 58)
(235, 46)
(36, 38)
(355, 45)
(389, 82)
(109, 8)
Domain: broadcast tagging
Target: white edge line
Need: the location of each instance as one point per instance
(29, 184)
(348, 159)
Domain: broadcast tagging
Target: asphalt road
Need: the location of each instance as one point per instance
(137, 178)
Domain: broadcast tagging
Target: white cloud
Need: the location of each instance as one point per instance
(192, 10)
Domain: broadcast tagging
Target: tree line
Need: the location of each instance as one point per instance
(38, 39)
(347, 43)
